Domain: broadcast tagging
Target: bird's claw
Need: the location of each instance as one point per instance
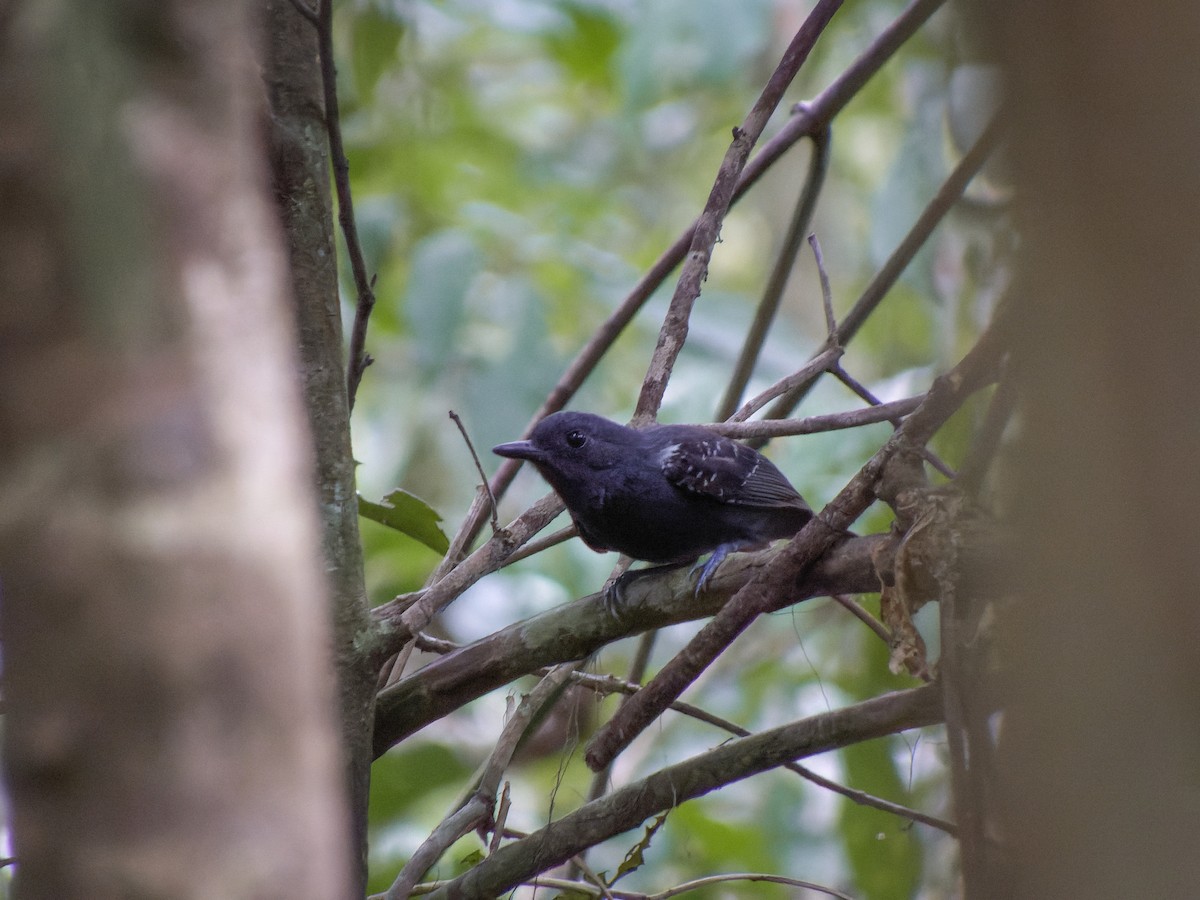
(614, 597)
(708, 569)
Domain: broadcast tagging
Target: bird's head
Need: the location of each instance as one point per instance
(568, 446)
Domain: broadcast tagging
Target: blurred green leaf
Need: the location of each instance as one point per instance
(408, 514)
(885, 854)
(585, 49)
(404, 775)
(376, 35)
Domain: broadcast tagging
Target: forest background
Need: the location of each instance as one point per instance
(518, 170)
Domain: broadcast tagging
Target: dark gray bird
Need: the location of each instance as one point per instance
(664, 494)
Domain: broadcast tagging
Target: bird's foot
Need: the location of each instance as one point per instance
(708, 568)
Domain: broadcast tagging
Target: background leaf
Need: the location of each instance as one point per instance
(408, 514)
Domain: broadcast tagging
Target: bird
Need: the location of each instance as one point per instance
(664, 494)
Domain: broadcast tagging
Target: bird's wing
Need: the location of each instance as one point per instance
(727, 471)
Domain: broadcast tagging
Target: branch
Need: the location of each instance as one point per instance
(576, 630)
(708, 228)
(626, 808)
(853, 418)
(785, 261)
(357, 360)
(941, 204)
(813, 118)
(944, 398)
(610, 684)
(825, 360)
(408, 620)
(477, 809)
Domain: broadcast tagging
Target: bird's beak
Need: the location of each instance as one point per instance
(518, 450)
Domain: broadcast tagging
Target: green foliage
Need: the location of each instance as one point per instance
(636, 857)
(402, 778)
(408, 514)
(516, 168)
(884, 852)
(375, 39)
(419, 777)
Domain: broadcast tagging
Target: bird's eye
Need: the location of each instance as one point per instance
(576, 438)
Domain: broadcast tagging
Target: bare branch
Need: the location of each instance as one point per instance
(826, 290)
(822, 362)
(477, 808)
(478, 468)
(944, 397)
(667, 788)
(611, 684)
(575, 630)
(811, 119)
(708, 228)
(942, 202)
(358, 360)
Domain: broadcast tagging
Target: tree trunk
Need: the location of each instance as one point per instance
(299, 160)
(170, 728)
(1098, 752)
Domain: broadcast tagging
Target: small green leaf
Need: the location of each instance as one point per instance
(469, 860)
(635, 858)
(408, 514)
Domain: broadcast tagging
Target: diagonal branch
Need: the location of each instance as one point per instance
(477, 808)
(944, 398)
(607, 684)
(708, 228)
(576, 630)
(811, 119)
(667, 788)
(941, 204)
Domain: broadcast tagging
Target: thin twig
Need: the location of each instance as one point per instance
(493, 554)
(831, 331)
(861, 390)
(811, 118)
(822, 362)
(834, 340)
(853, 418)
(461, 821)
(699, 883)
(945, 396)
(501, 819)
(534, 547)
(941, 204)
(477, 807)
(856, 609)
(637, 672)
(357, 358)
(478, 468)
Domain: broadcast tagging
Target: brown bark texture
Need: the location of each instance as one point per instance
(299, 160)
(1099, 794)
(170, 725)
